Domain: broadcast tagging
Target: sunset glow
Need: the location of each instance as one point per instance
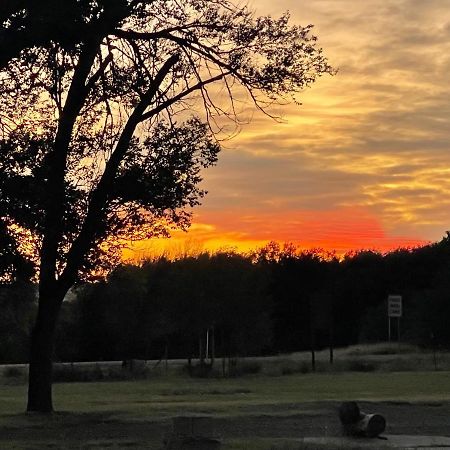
(338, 231)
(364, 163)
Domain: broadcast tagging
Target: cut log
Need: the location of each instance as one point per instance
(349, 413)
(371, 425)
(356, 423)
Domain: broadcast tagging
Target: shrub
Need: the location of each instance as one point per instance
(66, 373)
(240, 368)
(201, 371)
(292, 367)
(357, 365)
(12, 372)
(236, 368)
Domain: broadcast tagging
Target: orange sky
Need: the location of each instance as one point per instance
(364, 162)
(340, 230)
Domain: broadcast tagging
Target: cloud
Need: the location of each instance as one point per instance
(366, 158)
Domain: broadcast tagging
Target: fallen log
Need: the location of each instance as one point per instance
(356, 423)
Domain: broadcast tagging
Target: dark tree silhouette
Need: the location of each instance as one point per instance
(98, 141)
(13, 265)
(29, 23)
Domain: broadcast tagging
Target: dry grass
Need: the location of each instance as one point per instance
(383, 357)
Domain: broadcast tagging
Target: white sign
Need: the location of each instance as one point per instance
(395, 306)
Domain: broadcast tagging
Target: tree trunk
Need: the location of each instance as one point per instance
(41, 354)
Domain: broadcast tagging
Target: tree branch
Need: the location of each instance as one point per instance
(147, 36)
(54, 209)
(89, 230)
(181, 95)
(96, 76)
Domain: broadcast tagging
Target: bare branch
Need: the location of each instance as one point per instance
(99, 72)
(179, 96)
(98, 198)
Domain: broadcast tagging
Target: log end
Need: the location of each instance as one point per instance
(349, 413)
(356, 423)
(374, 425)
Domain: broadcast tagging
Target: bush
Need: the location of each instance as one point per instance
(12, 372)
(67, 373)
(292, 367)
(202, 371)
(236, 368)
(361, 366)
(239, 368)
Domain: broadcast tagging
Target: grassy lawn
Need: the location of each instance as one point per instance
(256, 412)
(135, 414)
(163, 397)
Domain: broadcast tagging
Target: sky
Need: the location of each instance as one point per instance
(364, 162)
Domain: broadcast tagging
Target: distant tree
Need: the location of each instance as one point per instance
(18, 310)
(98, 143)
(361, 285)
(296, 279)
(112, 316)
(273, 252)
(17, 299)
(224, 292)
(242, 305)
(8, 253)
(13, 265)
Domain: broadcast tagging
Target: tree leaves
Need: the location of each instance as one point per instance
(109, 112)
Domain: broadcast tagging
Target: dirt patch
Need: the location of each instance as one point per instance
(270, 421)
(320, 419)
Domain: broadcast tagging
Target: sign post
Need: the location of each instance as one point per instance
(394, 310)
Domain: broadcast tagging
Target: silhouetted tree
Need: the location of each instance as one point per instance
(135, 312)
(13, 265)
(224, 291)
(296, 281)
(18, 310)
(29, 23)
(360, 285)
(112, 316)
(97, 141)
(17, 299)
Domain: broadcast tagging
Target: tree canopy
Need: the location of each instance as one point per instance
(109, 111)
(98, 137)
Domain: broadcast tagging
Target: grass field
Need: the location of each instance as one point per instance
(107, 414)
(163, 397)
(274, 409)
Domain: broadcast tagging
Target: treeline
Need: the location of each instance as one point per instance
(276, 300)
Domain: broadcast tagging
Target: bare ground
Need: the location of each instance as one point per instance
(84, 431)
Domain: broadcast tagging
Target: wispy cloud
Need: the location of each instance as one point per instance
(372, 142)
